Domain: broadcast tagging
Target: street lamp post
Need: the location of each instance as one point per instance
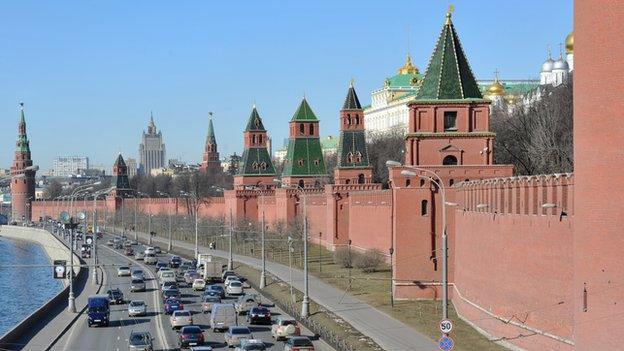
(231, 258)
(290, 250)
(263, 274)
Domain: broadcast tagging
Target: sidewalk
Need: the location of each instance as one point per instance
(63, 319)
(389, 333)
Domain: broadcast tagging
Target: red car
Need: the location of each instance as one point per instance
(191, 335)
(299, 343)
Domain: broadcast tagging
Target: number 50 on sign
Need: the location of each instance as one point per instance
(446, 326)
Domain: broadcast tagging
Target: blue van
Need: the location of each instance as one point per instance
(98, 311)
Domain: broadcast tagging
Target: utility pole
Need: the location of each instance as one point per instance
(231, 260)
(305, 305)
(263, 274)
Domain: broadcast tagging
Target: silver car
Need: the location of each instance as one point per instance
(137, 308)
(123, 271)
(137, 285)
(137, 274)
(139, 255)
(140, 341)
(234, 335)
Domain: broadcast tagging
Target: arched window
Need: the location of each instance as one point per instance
(301, 162)
(311, 129)
(348, 181)
(253, 139)
(450, 160)
(348, 119)
(301, 129)
(317, 184)
(451, 182)
(301, 183)
(357, 120)
(260, 138)
(422, 182)
(361, 178)
(424, 207)
(408, 182)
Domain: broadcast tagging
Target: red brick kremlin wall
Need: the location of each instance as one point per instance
(598, 240)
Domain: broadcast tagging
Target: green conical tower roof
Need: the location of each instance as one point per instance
(210, 138)
(304, 113)
(22, 145)
(448, 76)
(120, 161)
(255, 122)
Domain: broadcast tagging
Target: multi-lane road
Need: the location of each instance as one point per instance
(115, 337)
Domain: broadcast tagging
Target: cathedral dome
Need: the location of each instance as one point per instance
(547, 66)
(569, 43)
(561, 64)
(408, 67)
(496, 89)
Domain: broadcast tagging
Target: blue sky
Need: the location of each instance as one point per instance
(89, 72)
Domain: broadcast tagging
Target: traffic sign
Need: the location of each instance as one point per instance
(89, 239)
(59, 269)
(446, 326)
(446, 343)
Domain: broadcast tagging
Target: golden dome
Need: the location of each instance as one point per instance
(570, 43)
(496, 89)
(408, 67)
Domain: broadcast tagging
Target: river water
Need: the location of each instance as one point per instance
(23, 289)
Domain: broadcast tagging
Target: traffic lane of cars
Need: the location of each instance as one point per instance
(192, 301)
(114, 337)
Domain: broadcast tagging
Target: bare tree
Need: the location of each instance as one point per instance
(384, 147)
(537, 139)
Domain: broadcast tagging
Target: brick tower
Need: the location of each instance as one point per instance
(22, 175)
(120, 182)
(449, 120)
(304, 165)
(256, 167)
(211, 163)
(353, 164)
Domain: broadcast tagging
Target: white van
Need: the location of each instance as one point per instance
(223, 316)
(166, 276)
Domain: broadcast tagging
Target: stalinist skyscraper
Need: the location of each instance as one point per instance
(151, 150)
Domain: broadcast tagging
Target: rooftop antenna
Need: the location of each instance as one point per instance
(496, 75)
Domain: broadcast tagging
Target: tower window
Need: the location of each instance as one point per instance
(361, 178)
(357, 120)
(301, 162)
(253, 138)
(311, 129)
(301, 183)
(450, 121)
(260, 139)
(317, 162)
(424, 207)
(301, 129)
(348, 119)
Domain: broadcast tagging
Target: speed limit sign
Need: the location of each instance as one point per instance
(446, 326)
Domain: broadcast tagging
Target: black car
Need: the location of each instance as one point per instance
(259, 315)
(191, 335)
(170, 293)
(217, 289)
(115, 296)
(175, 262)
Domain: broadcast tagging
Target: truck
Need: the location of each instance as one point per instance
(98, 310)
(211, 272)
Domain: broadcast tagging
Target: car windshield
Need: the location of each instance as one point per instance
(97, 309)
(136, 303)
(191, 330)
(139, 338)
(301, 342)
(254, 347)
(259, 310)
(289, 323)
(235, 284)
(137, 272)
(124, 268)
(216, 287)
(173, 302)
(240, 331)
(212, 299)
(136, 281)
(182, 313)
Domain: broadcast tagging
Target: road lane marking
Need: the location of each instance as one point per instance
(155, 299)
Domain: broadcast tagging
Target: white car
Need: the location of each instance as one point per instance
(229, 279)
(150, 251)
(139, 255)
(251, 344)
(150, 259)
(199, 284)
(123, 271)
(137, 308)
(235, 288)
